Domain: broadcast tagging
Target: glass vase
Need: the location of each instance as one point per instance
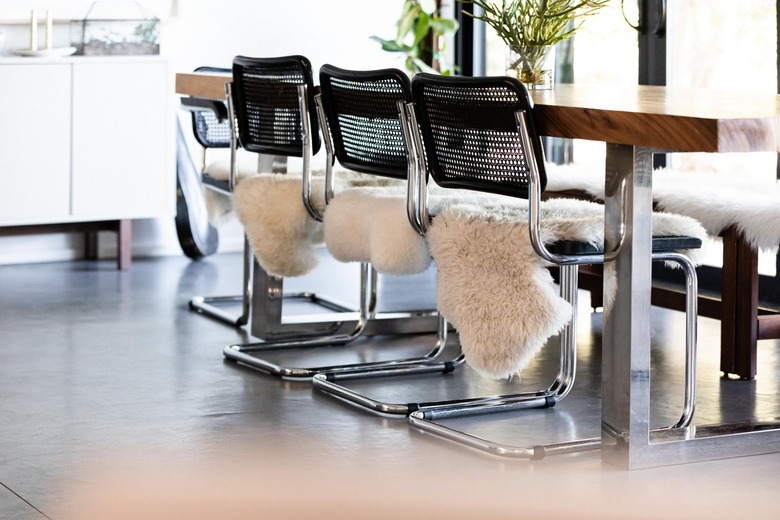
(533, 65)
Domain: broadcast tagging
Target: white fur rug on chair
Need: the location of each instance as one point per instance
(220, 205)
(281, 232)
(493, 287)
(370, 224)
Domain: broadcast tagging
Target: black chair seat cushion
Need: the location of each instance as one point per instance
(660, 244)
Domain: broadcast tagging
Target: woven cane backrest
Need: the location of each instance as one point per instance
(470, 133)
(265, 94)
(362, 113)
(209, 131)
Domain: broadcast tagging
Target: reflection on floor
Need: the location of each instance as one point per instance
(115, 402)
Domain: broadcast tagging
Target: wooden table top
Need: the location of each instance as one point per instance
(670, 119)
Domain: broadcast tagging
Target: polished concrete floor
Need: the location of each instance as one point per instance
(115, 402)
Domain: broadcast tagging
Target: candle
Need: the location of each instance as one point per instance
(48, 30)
(33, 31)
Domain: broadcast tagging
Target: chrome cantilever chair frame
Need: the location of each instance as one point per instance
(270, 306)
(210, 136)
(207, 115)
(332, 383)
(336, 332)
(424, 415)
(530, 144)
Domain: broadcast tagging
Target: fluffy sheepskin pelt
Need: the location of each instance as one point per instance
(220, 205)
(370, 224)
(282, 234)
(496, 291)
(718, 201)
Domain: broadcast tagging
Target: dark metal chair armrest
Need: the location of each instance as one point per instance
(193, 104)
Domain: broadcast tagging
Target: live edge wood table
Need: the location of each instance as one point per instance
(703, 122)
(635, 122)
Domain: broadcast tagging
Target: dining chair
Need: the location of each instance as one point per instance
(211, 129)
(477, 134)
(361, 128)
(269, 102)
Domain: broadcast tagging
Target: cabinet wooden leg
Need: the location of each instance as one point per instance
(91, 245)
(124, 244)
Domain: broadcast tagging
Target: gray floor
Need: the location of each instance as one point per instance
(115, 402)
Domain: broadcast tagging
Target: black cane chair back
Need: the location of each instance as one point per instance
(362, 113)
(470, 134)
(471, 140)
(211, 125)
(265, 92)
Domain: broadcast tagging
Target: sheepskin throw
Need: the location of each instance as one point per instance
(718, 201)
(218, 204)
(370, 224)
(282, 234)
(496, 291)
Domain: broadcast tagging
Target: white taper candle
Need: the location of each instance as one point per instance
(33, 30)
(48, 29)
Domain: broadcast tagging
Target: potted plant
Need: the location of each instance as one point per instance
(530, 29)
(420, 28)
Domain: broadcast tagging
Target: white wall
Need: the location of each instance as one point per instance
(201, 32)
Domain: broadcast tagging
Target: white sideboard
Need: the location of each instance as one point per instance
(85, 140)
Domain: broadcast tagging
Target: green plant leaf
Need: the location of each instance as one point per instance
(391, 45)
(421, 66)
(421, 28)
(444, 25)
(415, 29)
(407, 21)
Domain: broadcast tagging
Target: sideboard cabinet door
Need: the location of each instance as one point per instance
(121, 133)
(35, 119)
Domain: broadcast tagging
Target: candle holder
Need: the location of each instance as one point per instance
(48, 49)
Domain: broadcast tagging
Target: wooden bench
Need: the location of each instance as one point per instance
(735, 303)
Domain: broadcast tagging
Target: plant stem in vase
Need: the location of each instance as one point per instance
(534, 65)
(531, 28)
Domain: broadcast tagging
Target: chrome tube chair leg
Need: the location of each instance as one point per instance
(243, 353)
(331, 383)
(425, 419)
(212, 129)
(213, 306)
(560, 387)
